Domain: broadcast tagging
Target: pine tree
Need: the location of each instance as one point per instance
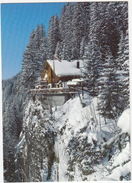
(10, 133)
(79, 24)
(74, 26)
(118, 12)
(53, 35)
(28, 67)
(92, 68)
(123, 68)
(110, 105)
(66, 31)
(82, 46)
(113, 20)
(58, 51)
(92, 54)
(34, 57)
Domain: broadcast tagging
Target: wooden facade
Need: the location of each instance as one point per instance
(49, 74)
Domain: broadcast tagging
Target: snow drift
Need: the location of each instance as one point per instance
(124, 121)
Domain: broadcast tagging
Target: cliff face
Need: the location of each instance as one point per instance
(70, 143)
(35, 153)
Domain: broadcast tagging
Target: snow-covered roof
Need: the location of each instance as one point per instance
(65, 68)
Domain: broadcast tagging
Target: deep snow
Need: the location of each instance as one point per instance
(124, 121)
(73, 121)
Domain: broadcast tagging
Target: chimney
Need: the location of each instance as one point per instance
(78, 64)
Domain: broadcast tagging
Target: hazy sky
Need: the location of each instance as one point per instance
(18, 21)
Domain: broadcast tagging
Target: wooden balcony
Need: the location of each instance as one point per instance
(53, 91)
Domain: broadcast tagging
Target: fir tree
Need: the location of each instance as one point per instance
(79, 25)
(110, 96)
(66, 31)
(53, 35)
(123, 68)
(92, 54)
(58, 51)
(34, 57)
(113, 20)
(82, 47)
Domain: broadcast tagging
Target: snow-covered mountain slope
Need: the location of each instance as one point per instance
(82, 136)
(71, 143)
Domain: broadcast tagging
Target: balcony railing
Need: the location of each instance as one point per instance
(60, 90)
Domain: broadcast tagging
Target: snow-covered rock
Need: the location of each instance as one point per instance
(122, 157)
(71, 143)
(124, 121)
(35, 149)
(81, 131)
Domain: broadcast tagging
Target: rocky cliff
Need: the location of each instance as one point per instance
(70, 143)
